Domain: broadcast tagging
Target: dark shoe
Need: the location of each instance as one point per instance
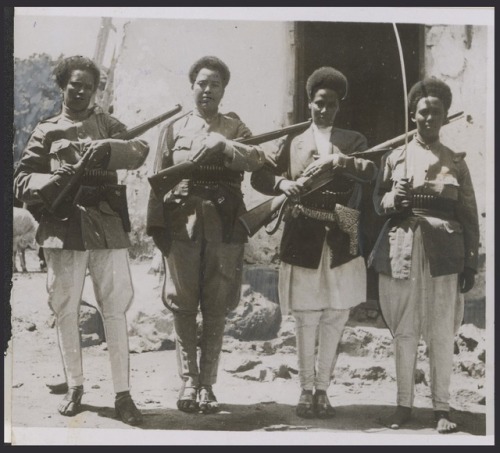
(58, 389)
(71, 403)
(322, 406)
(305, 406)
(127, 411)
(400, 416)
(443, 423)
(207, 401)
(187, 399)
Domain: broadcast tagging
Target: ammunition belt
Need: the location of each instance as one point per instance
(216, 173)
(421, 201)
(313, 213)
(210, 184)
(327, 199)
(98, 177)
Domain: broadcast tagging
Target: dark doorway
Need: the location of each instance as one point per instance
(368, 56)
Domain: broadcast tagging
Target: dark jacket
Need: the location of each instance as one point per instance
(303, 237)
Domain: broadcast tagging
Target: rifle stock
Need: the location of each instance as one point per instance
(165, 180)
(262, 214)
(266, 212)
(60, 188)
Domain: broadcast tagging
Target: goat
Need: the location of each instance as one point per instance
(24, 228)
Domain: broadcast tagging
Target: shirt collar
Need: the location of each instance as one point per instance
(322, 130)
(423, 144)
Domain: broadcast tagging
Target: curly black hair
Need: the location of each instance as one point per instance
(429, 87)
(65, 67)
(213, 63)
(327, 77)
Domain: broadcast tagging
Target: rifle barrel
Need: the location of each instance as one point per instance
(399, 140)
(141, 128)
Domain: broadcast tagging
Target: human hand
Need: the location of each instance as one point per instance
(212, 146)
(291, 188)
(321, 163)
(99, 151)
(467, 279)
(402, 193)
(65, 170)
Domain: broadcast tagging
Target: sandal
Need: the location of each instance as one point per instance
(305, 407)
(71, 403)
(322, 406)
(443, 423)
(401, 415)
(127, 411)
(187, 399)
(207, 401)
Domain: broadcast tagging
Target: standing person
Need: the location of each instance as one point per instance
(196, 229)
(426, 254)
(94, 235)
(322, 274)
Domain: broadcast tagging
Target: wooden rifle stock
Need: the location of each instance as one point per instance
(267, 211)
(165, 180)
(59, 188)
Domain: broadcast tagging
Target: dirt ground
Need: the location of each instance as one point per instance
(248, 404)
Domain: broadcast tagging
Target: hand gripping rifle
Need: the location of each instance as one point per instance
(165, 180)
(60, 188)
(267, 211)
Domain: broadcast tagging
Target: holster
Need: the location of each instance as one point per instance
(116, 196)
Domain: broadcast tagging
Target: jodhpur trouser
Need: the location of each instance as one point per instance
(426, 306)
(110, 274)
(327, 325)
(203, 276)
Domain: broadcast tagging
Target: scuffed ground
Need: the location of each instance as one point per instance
(258, 383)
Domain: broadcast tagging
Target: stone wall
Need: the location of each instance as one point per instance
(458, 55)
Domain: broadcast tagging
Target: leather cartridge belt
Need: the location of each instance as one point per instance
(217, 173)
(98, 177)
(326, 199)
(421, 201)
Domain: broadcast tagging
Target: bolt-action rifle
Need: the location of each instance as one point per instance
(267, 211)
(165, 180)
(58, 194)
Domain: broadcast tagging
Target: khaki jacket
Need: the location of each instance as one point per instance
(87, 228)
(451, 236)
(191, 212)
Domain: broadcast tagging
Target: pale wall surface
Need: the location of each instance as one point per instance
(152, 76)
(458, 56)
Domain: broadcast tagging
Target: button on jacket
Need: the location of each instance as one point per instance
(450, 231)
(87, 228)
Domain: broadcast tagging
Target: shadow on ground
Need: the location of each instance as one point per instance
(281, 417)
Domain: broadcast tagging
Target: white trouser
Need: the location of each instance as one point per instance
(327, 326)
(110, 274)
(426, 306)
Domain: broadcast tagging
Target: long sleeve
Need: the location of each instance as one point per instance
(383, 194)
(125, 154)
(33, 170)
(466, 212)
(266, 180)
